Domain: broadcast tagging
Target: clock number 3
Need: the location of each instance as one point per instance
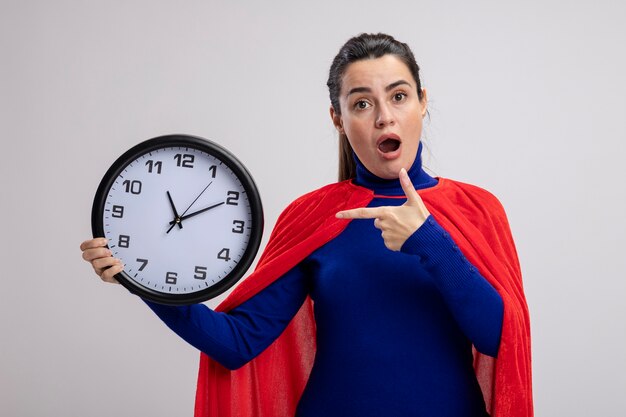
(238, 226)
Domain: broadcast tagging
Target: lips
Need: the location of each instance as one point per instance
(388, 146)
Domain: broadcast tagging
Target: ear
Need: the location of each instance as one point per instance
(424, 102)
(337, 121)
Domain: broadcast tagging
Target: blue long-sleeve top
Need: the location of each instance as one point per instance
(394, 329)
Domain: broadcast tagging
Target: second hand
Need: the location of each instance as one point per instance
(192, 203)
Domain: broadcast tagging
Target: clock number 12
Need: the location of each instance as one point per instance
(184, 160)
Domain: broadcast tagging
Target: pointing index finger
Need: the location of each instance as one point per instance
(360, 213)
(409, 190)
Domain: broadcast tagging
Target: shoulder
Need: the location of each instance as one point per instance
(308, 202)
(327, 199)
(321, 192)
(472, 196)
(471, 189)
(328, 195)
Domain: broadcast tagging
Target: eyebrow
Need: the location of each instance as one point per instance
(369, 90)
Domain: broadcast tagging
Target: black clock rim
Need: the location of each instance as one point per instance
(212, 148)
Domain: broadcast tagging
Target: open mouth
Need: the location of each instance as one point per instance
(389, 145)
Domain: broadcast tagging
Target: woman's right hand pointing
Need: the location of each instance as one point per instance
(99, 256)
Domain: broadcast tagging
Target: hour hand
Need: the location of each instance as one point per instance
(177, 219)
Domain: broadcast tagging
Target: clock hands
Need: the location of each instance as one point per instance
(179, 219)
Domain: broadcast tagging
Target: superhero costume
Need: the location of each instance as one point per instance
(290, 368)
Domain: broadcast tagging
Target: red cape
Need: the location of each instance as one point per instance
(272, 383)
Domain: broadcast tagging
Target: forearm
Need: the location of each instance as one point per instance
(236, 337)
(475, 304)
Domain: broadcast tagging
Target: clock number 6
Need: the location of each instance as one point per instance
(170, 278)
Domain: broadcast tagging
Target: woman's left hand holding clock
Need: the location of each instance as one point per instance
(99, 256)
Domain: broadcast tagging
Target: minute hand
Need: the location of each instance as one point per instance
(198, 212)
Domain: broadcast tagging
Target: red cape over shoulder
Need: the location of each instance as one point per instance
(272, 383)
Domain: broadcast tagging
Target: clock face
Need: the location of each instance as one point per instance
(184, 217)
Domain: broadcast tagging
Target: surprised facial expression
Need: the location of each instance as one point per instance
(381, 114)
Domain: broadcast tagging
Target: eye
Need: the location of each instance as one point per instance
(361, 105)
(399, 96)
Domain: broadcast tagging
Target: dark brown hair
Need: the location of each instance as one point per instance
(364, 46)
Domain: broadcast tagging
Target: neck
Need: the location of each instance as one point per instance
(392, 187)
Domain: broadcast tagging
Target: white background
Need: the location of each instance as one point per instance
(527, 100)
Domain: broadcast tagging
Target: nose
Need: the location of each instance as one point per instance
(384, 117)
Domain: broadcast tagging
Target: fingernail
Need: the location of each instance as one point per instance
(339, 215)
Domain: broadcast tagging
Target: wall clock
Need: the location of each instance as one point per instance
(184, 216)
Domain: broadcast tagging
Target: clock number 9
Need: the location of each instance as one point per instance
(118, 211)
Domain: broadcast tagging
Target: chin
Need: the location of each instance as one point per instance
(389, 172)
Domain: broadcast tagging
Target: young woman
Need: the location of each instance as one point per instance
(388, 293)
